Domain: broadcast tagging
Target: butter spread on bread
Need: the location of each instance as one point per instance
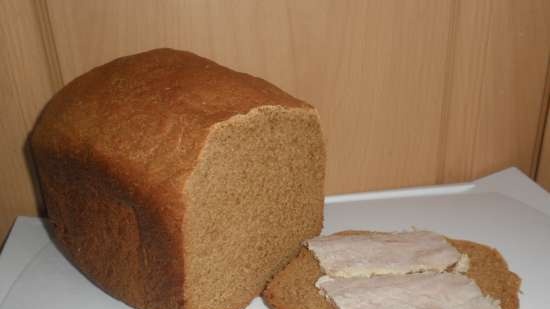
(414, 291)
(385, 253)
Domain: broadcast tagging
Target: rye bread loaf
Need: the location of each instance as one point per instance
(294, 286)
(173, 182)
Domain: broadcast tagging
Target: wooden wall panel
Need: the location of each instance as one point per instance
(25, 85)
(410, 92)
(496, 82)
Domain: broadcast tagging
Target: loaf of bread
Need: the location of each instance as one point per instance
(294, 287)
(174, 182)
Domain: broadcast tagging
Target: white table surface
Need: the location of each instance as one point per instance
(505, 210)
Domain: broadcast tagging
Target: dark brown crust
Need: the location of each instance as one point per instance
(294, 287)
(75, 194)
(129, 132)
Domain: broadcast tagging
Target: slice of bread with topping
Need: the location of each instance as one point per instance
(294, 287)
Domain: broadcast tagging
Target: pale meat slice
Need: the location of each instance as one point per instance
(414, 291)
(385, 253)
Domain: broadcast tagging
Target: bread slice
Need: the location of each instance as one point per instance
(294, 287)
(173, 182)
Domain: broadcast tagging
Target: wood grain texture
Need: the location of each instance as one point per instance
(25, 85)
(412, 92)
(495, 88)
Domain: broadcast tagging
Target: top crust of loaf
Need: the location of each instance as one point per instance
(153, 107)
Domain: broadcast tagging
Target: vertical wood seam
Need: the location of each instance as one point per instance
(542, 123)
(292, 41)
(480, 105)
(50, 47)
(447, 92)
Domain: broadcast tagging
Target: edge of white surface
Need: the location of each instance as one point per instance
(400, 193)
(515, 184)
(14, 257)
(510, 182)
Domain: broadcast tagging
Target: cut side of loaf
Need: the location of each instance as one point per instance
(250, 204)
(173, 182)
(294, 287)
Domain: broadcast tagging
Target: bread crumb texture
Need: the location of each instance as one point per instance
(383, 253)
(253, 196)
